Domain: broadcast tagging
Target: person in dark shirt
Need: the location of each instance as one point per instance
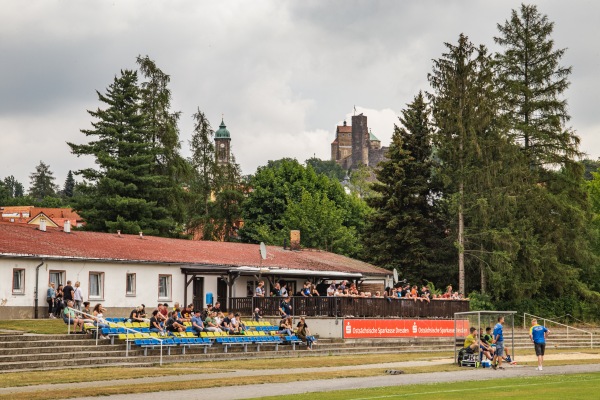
(286, 308)
(134, 316)
(174, 324)
(155, 323)
(68, 292)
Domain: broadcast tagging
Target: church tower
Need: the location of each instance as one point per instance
(222, 145)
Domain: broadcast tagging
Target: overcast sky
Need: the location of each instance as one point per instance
(283, 73)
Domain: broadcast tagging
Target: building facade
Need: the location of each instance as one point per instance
(356, 145)
(124, 271)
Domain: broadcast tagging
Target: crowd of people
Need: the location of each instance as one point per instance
(402, 290)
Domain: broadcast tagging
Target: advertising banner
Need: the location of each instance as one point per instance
(398, 328)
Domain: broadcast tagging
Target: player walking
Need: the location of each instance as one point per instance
(538, 335)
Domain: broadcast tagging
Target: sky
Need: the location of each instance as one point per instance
(282, 73)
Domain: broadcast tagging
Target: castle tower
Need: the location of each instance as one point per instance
(360, 140)
(222, 145)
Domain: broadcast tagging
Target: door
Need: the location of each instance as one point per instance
(222, 293)
(198, 293)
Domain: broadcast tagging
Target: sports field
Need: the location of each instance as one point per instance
(547, 387)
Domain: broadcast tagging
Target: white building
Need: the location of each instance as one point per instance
(123, 271)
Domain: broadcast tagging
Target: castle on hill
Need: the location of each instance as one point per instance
(355, 145)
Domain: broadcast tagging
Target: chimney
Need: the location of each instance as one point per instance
(67, 227)
(119, 233)
(295, 240)
(141, 235)
(43, 224)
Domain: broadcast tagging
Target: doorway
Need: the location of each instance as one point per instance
(222, 293)
(198, 293)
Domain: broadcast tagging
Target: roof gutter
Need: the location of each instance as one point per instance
(37, 285)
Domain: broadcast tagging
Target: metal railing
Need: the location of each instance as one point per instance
(358, 307)
(127, 330)
(544, 320)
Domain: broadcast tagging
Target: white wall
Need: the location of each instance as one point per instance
(147, 276)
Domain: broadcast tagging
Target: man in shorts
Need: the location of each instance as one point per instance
(499, 341)
(538, 335)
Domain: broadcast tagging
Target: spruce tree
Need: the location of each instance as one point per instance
(42, 182)
(14, 187)
(202, 181)
(402, 229)
(121, 193)
(533, 83)
(163, 132)
(69, 185)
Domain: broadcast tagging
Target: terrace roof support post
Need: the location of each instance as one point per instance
(187, 284)
(231, 278)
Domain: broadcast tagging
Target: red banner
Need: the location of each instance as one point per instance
(396, 328)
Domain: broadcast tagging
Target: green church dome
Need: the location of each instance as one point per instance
(222, 133)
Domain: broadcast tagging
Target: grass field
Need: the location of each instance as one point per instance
(548, 387)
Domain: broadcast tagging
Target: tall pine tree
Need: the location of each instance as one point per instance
(121, 193)
(403, 227)
(42, 182)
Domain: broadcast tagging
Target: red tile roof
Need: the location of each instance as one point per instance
(26, 240)
(344, 128)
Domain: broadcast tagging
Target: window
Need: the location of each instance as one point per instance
(57, 277)
(130, 290)
(96, 290)
(164, 287)
(18, 281)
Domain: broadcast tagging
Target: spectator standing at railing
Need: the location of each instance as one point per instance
(70, 318)
(50, 296)
(197, 323)
(77, 295)
(284, 291)
(331, 290)
(260, 289)
(155, 325)
(276, 292)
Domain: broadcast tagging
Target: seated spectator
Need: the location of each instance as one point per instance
(87, 310)
(186, 313)
(98, 314)
(225, 324)
(237, 324)
(210, 323)
(304, 333)
(471, 341)
(142, 313)
(206, 312)
(285, 326)
(70, 318)
(174, 324)
(197, 323)
(134, 315)
(164, 310)
(484, 347)
(217, 307)
(155, 324)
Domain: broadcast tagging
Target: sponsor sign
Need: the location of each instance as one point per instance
(397, 328)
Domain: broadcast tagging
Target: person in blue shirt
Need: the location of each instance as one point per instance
(538, 335)
(498, 339)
